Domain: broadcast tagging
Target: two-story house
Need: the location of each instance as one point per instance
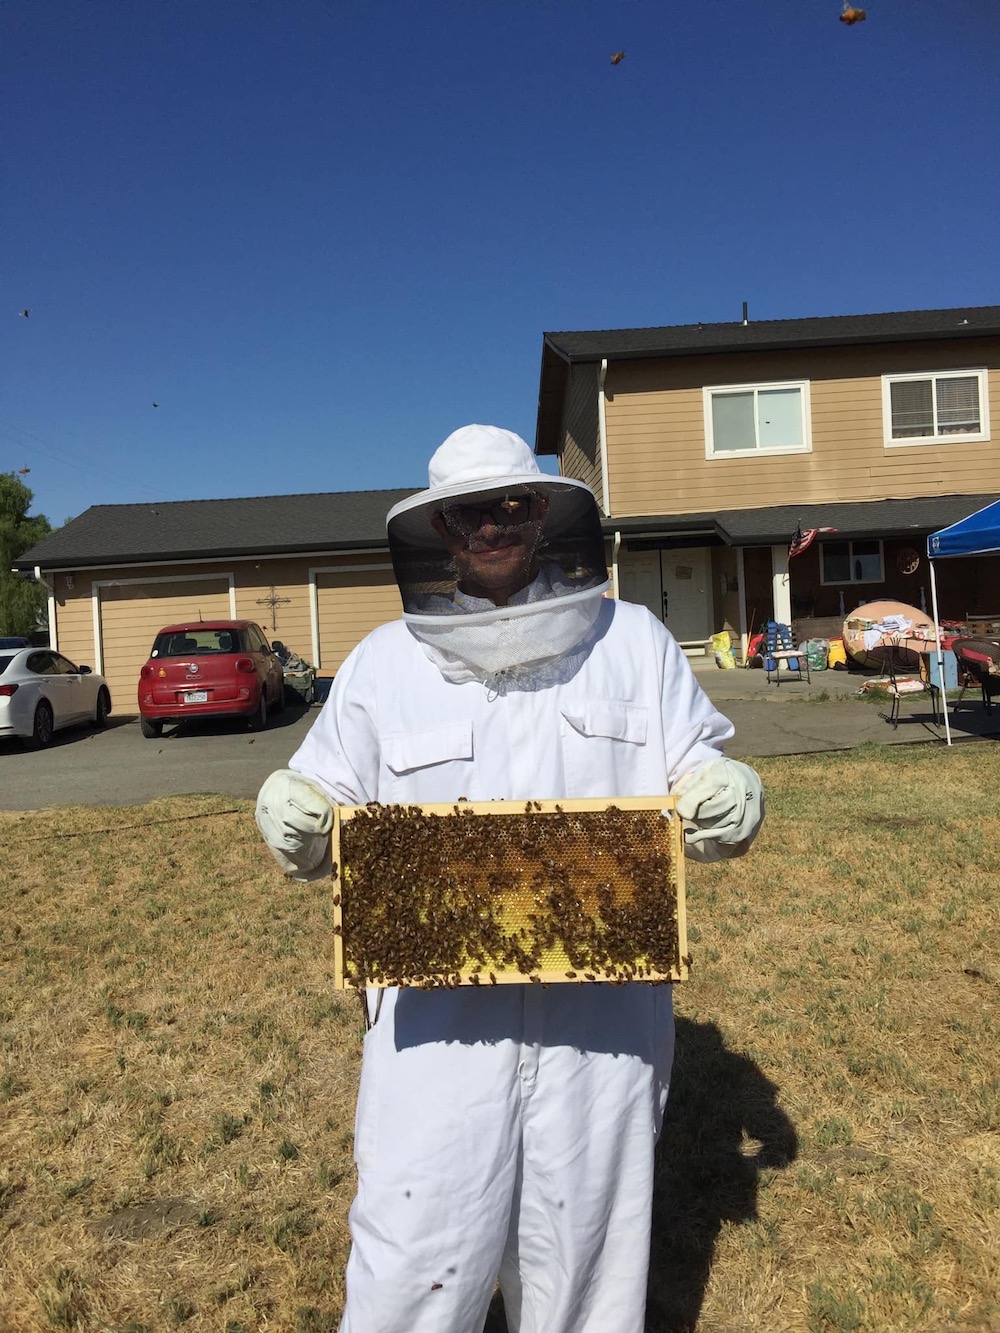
(707, 446)
(710, 445)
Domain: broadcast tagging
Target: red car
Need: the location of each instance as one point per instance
(210, 668)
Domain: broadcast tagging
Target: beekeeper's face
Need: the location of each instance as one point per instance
(493, 542)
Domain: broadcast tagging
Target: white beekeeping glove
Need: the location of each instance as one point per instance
(296, 819)
(722, 803)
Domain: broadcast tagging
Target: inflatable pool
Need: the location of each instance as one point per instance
(878, 628)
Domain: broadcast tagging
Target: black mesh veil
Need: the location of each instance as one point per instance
(560, 540)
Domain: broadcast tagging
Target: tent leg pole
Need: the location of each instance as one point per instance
(940, 653)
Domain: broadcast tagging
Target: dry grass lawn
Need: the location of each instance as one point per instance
(177, 1077)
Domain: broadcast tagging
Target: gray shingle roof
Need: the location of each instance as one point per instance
(758, 335)
(776, 524)
(193, 529)
(353, 520)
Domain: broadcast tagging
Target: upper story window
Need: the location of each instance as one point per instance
(757, 418)
(946, 407)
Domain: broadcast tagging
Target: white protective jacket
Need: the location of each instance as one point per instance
(509, 1132)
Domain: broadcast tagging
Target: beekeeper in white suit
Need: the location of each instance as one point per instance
(508, 1133)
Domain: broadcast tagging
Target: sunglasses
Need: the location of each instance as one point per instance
(508, 511)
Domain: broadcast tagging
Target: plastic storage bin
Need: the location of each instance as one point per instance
(950, 670)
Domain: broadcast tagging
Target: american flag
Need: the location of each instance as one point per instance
(804, 538)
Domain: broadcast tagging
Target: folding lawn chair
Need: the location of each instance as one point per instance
(783, 658)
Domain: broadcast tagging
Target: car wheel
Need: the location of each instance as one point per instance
(279, 699)
(259, 719)
(151, 727)
(103, 707)
(42, 727)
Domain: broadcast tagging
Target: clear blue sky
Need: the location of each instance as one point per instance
(322, 235)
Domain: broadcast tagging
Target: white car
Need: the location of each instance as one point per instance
(41, 691)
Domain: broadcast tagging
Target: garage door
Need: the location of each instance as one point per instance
(351, 604)
(133, 613)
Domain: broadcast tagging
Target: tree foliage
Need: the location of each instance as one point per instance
(22, 602)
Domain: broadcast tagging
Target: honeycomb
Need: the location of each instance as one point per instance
(481, 893)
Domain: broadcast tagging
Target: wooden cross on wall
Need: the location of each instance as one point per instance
(273, 601)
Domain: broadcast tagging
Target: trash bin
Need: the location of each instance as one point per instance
(950, 669)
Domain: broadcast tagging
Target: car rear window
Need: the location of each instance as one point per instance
(196, 642)
(5, 663)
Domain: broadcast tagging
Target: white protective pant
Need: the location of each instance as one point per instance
(536, 1111)
(509, 1131)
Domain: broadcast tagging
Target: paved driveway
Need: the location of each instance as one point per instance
(120, 767)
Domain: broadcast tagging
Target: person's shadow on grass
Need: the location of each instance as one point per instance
(723, 1127)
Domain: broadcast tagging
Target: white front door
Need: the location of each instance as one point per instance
(641, 580)
(687, 594)
(675, 586)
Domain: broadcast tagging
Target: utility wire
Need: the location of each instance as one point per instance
(122, 828)
(69, 462)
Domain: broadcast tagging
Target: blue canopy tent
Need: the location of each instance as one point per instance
(979, 534)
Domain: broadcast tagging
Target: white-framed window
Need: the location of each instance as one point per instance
(941, 407)
(745, 419)
(851, 562)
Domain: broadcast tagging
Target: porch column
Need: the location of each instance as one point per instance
(741, 588)
(780, 585)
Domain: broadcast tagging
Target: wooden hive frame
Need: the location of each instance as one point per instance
(589, 876)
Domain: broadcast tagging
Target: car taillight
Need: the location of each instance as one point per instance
(147, 672)
(245, 664)
(7, 690)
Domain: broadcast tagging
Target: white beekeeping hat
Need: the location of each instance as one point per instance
(568, 571)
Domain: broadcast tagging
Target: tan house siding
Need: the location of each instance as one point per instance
(656, 431)
(580, 454)
(352, 601)
(73, 630)
(291, 618)
(131, 618)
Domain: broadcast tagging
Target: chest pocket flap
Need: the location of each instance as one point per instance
(405, 751)
(610, 718)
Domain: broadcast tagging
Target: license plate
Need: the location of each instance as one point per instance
(196, 697)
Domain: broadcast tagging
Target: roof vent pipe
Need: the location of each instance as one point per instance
(745, 320)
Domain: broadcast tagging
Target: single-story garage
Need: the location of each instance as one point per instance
(314, 570)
